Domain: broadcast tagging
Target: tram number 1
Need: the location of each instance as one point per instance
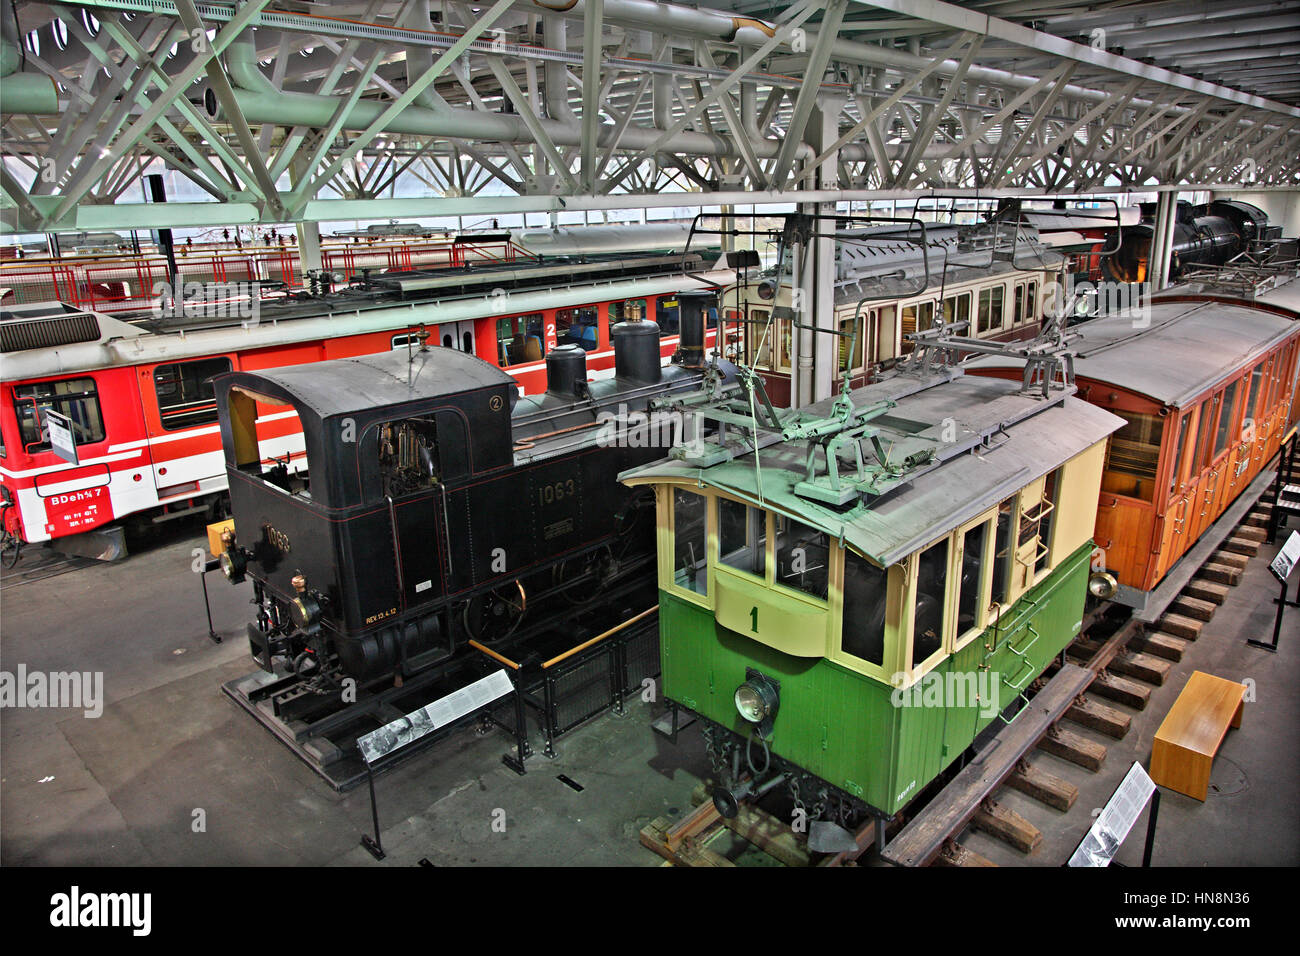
(753, 619)
(549, 494)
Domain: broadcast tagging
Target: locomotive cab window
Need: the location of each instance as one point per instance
(406, 456)
(268, 441)
(75, 398)
(185, 396)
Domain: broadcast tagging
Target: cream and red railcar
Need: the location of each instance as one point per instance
(886, 288)
(1206, 384)
(142, 408)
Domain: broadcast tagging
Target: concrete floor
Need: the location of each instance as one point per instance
(124, 788)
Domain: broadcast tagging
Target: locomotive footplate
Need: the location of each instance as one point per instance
(322, 730)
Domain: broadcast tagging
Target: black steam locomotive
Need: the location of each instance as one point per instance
(1203, 235)
(437, 506)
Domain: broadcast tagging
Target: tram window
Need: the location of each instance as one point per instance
(521, 338)
(406, 452)
(1046, 514)
(865, 601)
(784, 347)
(1002, 553)
(1018, 313)
(577, 327)
(75, 398)
(1133, 456)
(990, 310)
(802, 556)
(927, 626)
(690, 570)
(667, 314)
(1184, 427)
(742, 537)
(1225, 419)
(185, 397)
(971, 582)
(956, 308)
(1031, 301)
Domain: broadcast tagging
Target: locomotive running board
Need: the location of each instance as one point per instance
(327, 741)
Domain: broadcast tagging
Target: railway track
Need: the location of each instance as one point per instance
(1105, 676)
(40, 565)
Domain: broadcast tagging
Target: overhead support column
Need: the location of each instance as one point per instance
(1162, 241)
(823, 132)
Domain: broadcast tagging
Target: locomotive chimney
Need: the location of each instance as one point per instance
(691, 309)
(636, 350)
(566, 370)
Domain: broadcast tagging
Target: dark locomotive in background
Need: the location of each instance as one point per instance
(438, 506)
(1210, 235)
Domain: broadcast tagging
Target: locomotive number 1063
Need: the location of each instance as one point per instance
(549, 494)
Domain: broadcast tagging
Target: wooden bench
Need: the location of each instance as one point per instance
(1192, 731)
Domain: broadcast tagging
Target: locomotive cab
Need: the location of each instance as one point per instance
(383, 438)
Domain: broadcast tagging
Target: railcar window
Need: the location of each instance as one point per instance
(520, 339)
(1031, 301)
(852, 332)
(802, 557)
(1255, 378)
(971, 582)
(1184, 428)
(667, 314)
(956, 308)
(407, 454)
(742, 537)
(865, 594)
(990, 309)
(185, 396)
(77, 398)
(758, 338)
(917, 317)
(927, 628)
(1133, 456)
(1226, 417)
(1018, 313)
(629, 310)
(690, 570)
(1203, 448)
(1002, 553)
(783, 355)
(577, 327)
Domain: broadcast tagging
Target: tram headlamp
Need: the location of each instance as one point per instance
(757, 699)
(1102, 585)
(767, 289)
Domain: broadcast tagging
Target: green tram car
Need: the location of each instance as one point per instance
(849, 631)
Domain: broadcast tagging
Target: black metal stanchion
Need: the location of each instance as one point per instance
(1151, 827)
(210, 565)
(374, 847)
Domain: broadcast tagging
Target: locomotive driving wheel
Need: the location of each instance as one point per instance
(494, 615)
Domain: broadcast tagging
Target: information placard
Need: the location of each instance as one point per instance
(62, 442)
(1115, 820)
(1286, 558)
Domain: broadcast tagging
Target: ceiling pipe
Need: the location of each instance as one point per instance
(555, 81)
(22, 92)
(419, 59)
(261, 102)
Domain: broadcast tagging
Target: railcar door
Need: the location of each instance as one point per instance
(180, 417)
(1208, 475)
(1181, 492)
(457, 335)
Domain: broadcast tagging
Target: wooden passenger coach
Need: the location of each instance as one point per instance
(956, 553)
(1205, 385)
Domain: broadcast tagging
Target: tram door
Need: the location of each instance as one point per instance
(1182, 493)
(457, 335)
